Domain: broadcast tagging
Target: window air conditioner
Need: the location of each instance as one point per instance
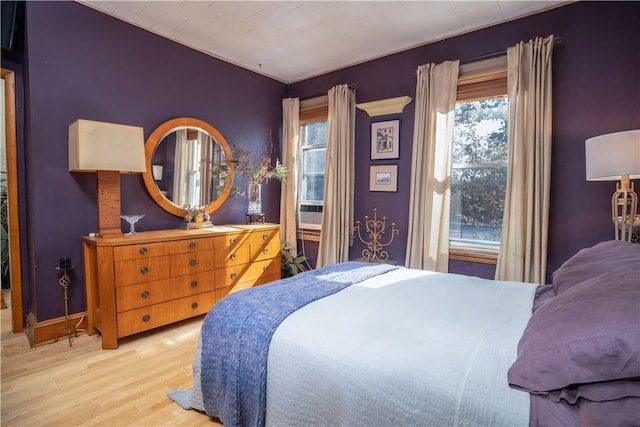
(310, 217)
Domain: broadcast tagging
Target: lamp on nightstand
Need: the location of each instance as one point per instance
(108, 149)
(612, 157)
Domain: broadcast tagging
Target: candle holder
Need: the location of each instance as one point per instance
(132, 219)
(375, 230)
(65, 281)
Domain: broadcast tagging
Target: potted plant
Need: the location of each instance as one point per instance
(291, 263)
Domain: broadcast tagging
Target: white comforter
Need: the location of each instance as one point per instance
(406, 348)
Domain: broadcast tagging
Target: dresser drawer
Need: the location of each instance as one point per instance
(232, 275)
(146, 250)
(263, 279)
(265, 250)
(144, 294)
(189, 263)
(231, 256)
(142, 319)
(262, 236)
(142, 270)
(230, 241)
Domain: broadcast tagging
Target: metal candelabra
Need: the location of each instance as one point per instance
(375, 230)
(65, 281)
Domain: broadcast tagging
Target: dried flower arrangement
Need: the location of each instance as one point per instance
(257, 172)
(245, 164)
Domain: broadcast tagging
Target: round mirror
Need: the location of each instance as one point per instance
(188, 166)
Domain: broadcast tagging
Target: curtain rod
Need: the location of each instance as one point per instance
(556, 40)
(350, 85)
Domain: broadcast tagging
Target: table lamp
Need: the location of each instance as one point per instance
(157, 172)
(613, 157)
(107, 149)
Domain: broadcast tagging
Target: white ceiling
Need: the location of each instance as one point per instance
(294, 40)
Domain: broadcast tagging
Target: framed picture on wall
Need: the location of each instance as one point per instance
(383, 178)
(385, 140)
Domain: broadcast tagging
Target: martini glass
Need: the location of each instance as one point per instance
(131, 219)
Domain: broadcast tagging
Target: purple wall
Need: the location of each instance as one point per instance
(83, 64)
(596, 91)
(80, 63)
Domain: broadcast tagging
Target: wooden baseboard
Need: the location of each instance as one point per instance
(48, 330)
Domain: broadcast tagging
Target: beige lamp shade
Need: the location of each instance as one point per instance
(614, 155)
(108, 150)
(100, 146)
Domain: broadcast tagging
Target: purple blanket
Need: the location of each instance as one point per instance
(237, 331)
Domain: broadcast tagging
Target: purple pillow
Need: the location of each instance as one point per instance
(543, 294)
(597, 392)
(594, 261)
(588, 333)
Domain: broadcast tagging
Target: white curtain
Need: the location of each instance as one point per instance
(181, 170)
(523, 245)
(192, 183)
(218, 182)
(288, 190)
(204, 188)
(337, 215)
(430, 193)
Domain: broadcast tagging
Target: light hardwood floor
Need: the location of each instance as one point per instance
(58, 385)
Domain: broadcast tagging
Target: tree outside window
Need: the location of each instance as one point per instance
(479, 170)
(313, 140)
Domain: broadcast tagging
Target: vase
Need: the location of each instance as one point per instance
(255, 199)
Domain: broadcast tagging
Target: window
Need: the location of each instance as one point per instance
(313, 143)
(479, 162)
(479, 170)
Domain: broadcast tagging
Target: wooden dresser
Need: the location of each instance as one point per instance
(153, 278)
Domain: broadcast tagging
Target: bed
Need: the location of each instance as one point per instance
(371, 344)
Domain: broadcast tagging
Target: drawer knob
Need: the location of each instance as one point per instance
(233, 256)
(144, 270)
(143, 251)
(265, 251)
(192, 245)
(145, 294)
(265, 236)
(232, 240)
(265, 268)
(194, 284)
(194, 305)
(193, 262)
(233, 275)
(146, 318)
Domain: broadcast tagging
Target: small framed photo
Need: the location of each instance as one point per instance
(383, 178)
(385, 140)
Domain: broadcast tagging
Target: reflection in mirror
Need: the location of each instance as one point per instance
(188, 166)
(188, 180)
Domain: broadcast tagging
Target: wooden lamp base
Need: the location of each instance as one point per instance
(109, 222)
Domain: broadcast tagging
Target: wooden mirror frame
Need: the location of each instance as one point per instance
(157, 136)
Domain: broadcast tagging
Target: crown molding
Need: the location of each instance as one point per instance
(385, 106)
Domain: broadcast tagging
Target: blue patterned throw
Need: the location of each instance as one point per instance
(237, 331)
